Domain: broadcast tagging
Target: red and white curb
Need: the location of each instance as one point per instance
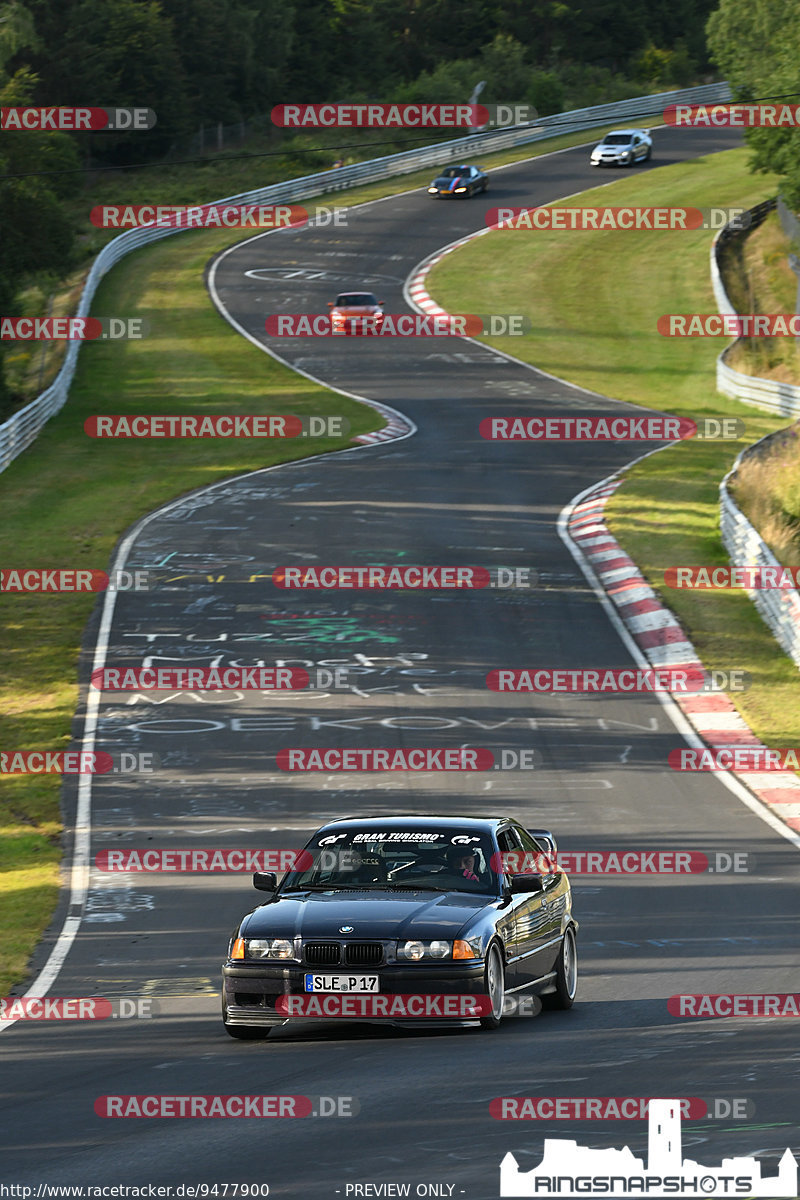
(654, 629)
(663, 642)
(415, 289)
(397, 426)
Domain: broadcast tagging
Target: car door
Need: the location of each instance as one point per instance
(556, 894)
(531, 913)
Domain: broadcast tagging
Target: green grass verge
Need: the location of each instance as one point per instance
(594, 299)
(31, 366)
(68, 499)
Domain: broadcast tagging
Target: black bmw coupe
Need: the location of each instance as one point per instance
(409, 920)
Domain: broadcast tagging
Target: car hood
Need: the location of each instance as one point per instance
(373, 914)
(613, 146)
(444, 181)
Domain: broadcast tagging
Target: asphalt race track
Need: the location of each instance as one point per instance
(441, 496)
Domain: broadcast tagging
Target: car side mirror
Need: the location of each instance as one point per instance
(545, 838)
(526, 883)
(330, 304)
(265, 881)
(381, 302)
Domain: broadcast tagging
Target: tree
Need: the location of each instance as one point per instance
(36, 233)
(757, 47)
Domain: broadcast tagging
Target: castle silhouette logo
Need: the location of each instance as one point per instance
(568, 1169)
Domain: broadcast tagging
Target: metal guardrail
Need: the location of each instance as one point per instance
(770, 394)
(779, 607)
(20, 430)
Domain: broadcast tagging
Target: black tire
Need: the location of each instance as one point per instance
(566, 974)
(245, 1033)
(495, 985)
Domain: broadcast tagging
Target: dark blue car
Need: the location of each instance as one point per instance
(405, 919)
(459, 181)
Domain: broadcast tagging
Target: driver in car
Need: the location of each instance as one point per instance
(462, 862)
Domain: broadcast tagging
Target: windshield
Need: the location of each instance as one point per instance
(618, 139)
(454, 172)
(447, 860)
(355, 300)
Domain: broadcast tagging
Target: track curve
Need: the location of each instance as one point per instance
(441, 496)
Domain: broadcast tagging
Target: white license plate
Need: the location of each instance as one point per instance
(342, 983)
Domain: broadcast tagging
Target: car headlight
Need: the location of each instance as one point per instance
(269, 948)
(433, 189)
(415, 951)
(461, 189)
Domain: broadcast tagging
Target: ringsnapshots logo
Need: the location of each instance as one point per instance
(570, 1170)
(76, 119)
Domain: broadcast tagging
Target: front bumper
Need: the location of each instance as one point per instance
(250, 992)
